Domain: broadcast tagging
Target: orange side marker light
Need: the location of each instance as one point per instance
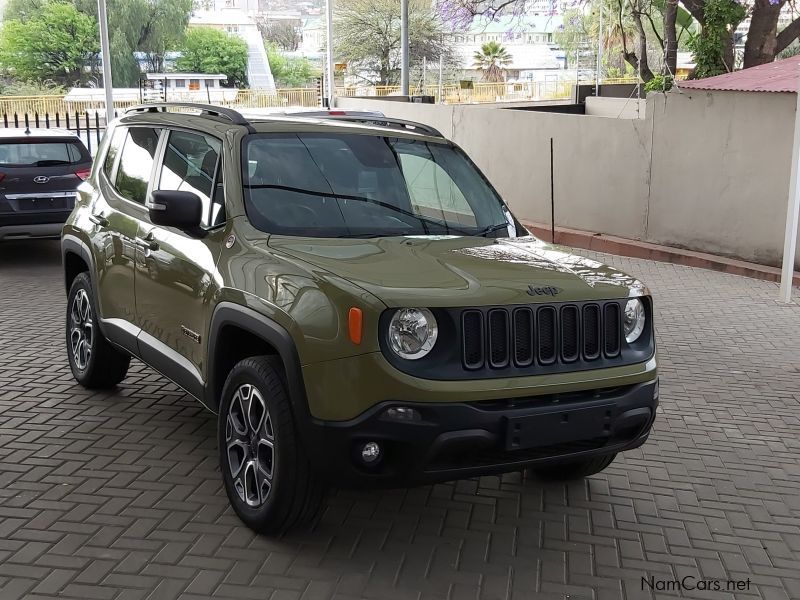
(355, 321)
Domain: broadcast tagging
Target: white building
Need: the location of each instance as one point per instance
(529, 41)
(312, 36)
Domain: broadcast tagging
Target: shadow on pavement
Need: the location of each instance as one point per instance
(22, 254)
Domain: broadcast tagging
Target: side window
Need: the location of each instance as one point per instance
(191, 164)
(136, 163)
(114, 147)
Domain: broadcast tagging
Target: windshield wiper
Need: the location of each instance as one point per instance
(492, 229)
(423, 220)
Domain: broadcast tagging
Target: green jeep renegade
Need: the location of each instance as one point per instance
(356, 302)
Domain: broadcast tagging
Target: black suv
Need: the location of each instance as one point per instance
(40, 171)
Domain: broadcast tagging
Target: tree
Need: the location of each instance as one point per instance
(713, 47)
(282, 33)
(367, 36)
(149, 26)
(491, 60)
(57, 43)
(208, 50)
(290, 72)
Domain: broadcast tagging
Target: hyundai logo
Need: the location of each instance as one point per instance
(41, 179)
(545, 290)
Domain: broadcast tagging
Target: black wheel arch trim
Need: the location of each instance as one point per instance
(73, 244)
(228, 313)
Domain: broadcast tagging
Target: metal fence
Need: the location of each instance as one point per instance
(472, 93)
(89, 126)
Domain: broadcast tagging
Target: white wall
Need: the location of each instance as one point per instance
(704, 171)
(617, 108)
(720, 172)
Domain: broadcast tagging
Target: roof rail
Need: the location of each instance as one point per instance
(233, 116)
(386, 122)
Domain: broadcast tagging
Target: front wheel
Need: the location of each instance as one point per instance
(94, 362)
(573, 470)
(266, 473)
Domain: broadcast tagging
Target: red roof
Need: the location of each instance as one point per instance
(778, 76)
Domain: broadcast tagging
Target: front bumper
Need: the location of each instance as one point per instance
(468, 439)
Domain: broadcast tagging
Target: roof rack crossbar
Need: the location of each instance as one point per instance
(388, 122)
(233, 116)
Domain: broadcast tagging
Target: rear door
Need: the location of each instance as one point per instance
(117, 215)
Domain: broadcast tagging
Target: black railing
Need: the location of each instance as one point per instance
(89, 126)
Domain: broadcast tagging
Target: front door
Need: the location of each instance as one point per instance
(176, 275)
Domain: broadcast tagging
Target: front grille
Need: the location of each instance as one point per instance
(540, 335)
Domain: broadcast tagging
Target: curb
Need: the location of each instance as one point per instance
(638, 249)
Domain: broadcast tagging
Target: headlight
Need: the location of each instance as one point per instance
(634, 320)
(412, 332)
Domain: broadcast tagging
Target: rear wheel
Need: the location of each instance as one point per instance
(95, 363)
(267, 476)
(572, 470)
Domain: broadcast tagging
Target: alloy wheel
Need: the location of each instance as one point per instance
(81, 329)
(250, 441)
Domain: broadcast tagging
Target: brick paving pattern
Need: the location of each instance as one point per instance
(117, 495)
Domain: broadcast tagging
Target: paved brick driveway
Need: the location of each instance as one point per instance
(117, 495)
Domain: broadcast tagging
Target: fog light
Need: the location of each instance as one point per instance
(655, 391)
(370, 453)
(403, 413)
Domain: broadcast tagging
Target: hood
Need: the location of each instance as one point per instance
(462, 271)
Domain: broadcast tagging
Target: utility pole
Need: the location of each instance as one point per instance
(792, 214)
(105, 53)
(599, 52)
(441, 73)
(331, 87)
(404, 47)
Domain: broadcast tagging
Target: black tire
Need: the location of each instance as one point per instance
(104, 366)
(291, 494)
(572, 470)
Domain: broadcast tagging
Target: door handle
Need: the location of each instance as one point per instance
(147, 243)
(98, 220)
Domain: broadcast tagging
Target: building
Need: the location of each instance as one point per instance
(186, 82)
(312, 35)
(529, 40)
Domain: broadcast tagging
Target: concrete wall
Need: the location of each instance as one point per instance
(720, 172)
(704, 171)
(618, 108)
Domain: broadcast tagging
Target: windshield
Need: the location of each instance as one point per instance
(351, 185)
(41, 154)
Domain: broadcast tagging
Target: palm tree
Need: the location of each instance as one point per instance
(491, 61)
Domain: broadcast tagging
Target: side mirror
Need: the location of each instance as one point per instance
(170, 208)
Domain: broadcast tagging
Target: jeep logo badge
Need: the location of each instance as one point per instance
(545, 290)
(41, 179)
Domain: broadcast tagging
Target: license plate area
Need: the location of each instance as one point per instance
(558, 425)
(45, 203)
